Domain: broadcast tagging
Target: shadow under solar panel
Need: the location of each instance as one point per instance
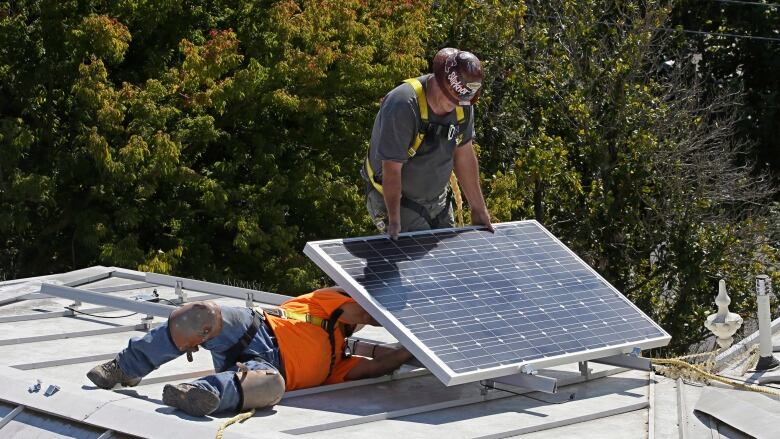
(473, 305)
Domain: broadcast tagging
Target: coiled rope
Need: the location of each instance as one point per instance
(458, 199)
(702, 374)
(238, 418)
(711, 376)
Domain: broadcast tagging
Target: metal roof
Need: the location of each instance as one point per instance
(41, 340)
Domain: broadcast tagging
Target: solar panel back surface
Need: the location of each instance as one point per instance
(474, 305)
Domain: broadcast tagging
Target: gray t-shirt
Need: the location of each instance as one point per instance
(424, 177)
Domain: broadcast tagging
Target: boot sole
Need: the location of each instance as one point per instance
(193, 400)
(98, 380)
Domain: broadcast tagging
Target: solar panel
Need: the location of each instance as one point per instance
(474, 305)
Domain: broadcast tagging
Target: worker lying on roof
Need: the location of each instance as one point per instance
(257, 355)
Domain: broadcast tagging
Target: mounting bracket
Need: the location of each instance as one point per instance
(585, 371)
(147, 322)
(179, 291)
(528, 378)
(631, 360)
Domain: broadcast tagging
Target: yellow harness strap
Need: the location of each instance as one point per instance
(418, 139)
(423, 104)
(308, 318)
(370, 174)
(460, 114)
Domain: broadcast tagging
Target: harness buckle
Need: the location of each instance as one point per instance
(276, 312)
(380, 224)
(451, 132)
(347, 350)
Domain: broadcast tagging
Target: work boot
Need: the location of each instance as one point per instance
(108, 375)
(190, 399)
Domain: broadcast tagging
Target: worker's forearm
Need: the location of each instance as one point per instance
(381, 360)
(391, 360)
(391, 186)
(467, 171)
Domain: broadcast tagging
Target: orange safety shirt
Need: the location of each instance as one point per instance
(305, 348)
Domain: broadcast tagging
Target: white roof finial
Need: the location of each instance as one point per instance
(723, 323)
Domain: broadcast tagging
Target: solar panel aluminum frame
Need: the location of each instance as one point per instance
(443, 372)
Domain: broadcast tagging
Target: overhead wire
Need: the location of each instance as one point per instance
(742, 2)
(689, 31)
(749, 37)
(723, 34)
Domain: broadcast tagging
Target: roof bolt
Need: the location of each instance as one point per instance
(35, 387)
(51, 390)
(527, 368)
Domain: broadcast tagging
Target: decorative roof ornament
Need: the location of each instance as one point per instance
(723, 323)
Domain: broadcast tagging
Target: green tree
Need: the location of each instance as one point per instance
(211, 140)
(738, 48)
(584, 128)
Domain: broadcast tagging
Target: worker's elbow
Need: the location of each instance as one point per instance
(391, 168)
(368, 320)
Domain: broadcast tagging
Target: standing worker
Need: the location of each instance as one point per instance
(422, 133)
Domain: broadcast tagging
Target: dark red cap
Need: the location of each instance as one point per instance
(459, 75)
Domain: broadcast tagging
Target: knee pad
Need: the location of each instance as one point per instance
(194, 323)
(260, 388)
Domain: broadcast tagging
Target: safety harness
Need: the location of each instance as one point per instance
(234, 354)
(329, 325)
(412, 151)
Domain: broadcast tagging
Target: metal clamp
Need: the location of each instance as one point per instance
(73, 307)
(529, 378)
(527, 368)
(147, 322)
(180, 291)
(51, 390)
(631, 360)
